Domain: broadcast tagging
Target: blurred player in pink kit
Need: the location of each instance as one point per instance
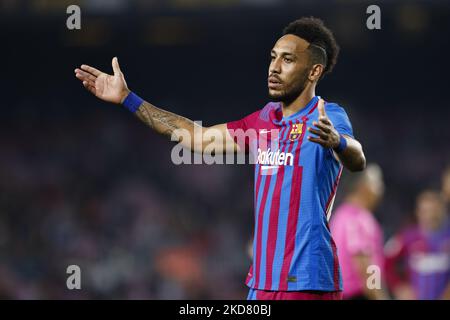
(358, 235)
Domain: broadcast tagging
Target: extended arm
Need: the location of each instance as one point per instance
(190, 134)
(113, 88)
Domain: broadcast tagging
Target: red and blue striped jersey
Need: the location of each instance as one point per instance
(295, 185)
(425, 257)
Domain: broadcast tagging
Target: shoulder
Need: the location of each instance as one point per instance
(332, 107)
(410, 234)
(263, 113)
(262, 116)
(339, 118)
(255, 119)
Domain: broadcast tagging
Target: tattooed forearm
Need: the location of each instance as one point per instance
(188, 133)
(167, 124)
(163, 122)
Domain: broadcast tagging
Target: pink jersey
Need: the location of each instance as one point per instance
(355, 230)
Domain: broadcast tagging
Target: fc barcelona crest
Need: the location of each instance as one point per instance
(296, 131)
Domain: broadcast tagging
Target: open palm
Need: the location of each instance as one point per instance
(110, 88)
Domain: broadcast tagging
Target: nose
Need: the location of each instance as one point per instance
(275, 66)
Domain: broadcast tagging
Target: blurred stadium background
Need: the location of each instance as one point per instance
(83, 182)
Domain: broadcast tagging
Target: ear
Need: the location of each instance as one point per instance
(316, 72)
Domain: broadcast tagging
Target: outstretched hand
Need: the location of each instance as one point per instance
(326, 134)
(110, 88)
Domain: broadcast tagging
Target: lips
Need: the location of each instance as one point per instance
(274, 83)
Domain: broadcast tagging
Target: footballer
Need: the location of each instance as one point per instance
(294, 255)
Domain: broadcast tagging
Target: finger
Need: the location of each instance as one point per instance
(91, 70)
(319, 133)
(322, 126)
(80, 74)
(89, 87)
(325, 121)
(317, 140)
(321, 108)
(82, 79)
(88, 84)
(116, 67)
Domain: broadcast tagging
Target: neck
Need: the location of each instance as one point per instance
(291, 107)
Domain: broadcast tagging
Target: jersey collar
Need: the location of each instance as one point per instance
(277, 116)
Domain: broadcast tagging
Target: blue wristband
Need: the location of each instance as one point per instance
(342, 144)
(132, 102)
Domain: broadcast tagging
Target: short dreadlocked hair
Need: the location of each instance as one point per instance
(322, 44)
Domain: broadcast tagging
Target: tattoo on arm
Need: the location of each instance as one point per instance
(163, 122)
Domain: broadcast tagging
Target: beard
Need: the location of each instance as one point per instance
(292, 92)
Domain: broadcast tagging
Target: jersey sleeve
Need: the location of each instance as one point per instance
(238, 129)
(244, 123)
(339, 118)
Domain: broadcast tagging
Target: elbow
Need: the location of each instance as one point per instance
(359, 165)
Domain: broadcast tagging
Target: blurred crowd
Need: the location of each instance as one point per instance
(137, 225)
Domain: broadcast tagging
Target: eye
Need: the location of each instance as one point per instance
(287, 60)
(272, 58)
